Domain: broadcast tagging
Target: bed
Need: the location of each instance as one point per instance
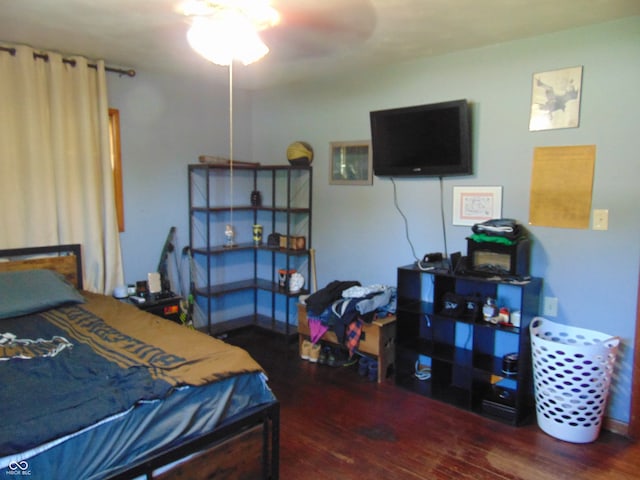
(95, 388)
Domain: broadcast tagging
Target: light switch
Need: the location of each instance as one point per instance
(601, 219)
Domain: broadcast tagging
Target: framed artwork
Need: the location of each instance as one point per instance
(555, 99)
(473, 205)
(350, 163)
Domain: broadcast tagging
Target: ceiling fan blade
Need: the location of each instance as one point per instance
(313, 29)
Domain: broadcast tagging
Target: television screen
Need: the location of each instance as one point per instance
(423, 140)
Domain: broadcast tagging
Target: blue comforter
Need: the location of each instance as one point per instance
(61, 393)
(65, 369)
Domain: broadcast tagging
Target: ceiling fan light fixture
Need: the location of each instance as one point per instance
(223, 30)
(259, 12)
(225, 37)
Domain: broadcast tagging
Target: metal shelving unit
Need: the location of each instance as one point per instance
(239, 286)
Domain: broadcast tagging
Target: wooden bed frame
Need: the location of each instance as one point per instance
(64, 259)
(248, 447)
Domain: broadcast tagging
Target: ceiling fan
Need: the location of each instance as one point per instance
(292, 29)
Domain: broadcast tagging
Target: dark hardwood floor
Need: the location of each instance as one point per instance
(337, 425)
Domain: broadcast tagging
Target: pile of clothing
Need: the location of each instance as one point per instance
(500, 230)
(344, 306)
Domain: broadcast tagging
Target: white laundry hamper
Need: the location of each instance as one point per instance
(572, 371)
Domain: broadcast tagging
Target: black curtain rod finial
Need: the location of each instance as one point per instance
(128, 72)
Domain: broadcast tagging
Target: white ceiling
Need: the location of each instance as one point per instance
(315, 37)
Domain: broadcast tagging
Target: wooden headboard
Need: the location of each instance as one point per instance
(65, 259)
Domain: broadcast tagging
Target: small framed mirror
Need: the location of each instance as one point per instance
(350, 163)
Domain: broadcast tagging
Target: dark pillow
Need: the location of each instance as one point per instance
(31, 291)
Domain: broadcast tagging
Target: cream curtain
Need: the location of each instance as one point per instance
(56, 181)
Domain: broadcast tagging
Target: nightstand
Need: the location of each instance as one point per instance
(165, 306)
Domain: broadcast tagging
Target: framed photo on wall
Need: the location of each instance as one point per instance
(555, 99)
(350, 163)
(473, 205)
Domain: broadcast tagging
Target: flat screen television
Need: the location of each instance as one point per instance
(423, 140)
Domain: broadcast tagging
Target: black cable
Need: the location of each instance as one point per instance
(444, 228)
(406, 222)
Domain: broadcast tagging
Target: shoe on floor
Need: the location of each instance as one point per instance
(324, 355)
(363, 366)
(314, 353)
(373, 372)
(305, 349)
(338, 357)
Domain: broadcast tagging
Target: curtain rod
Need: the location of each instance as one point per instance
(43, 56)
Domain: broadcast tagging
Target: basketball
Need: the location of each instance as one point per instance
(300, 153)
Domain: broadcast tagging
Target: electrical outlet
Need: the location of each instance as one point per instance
(550, 307)
(601, 219)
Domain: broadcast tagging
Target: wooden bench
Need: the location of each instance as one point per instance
(377, 340)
